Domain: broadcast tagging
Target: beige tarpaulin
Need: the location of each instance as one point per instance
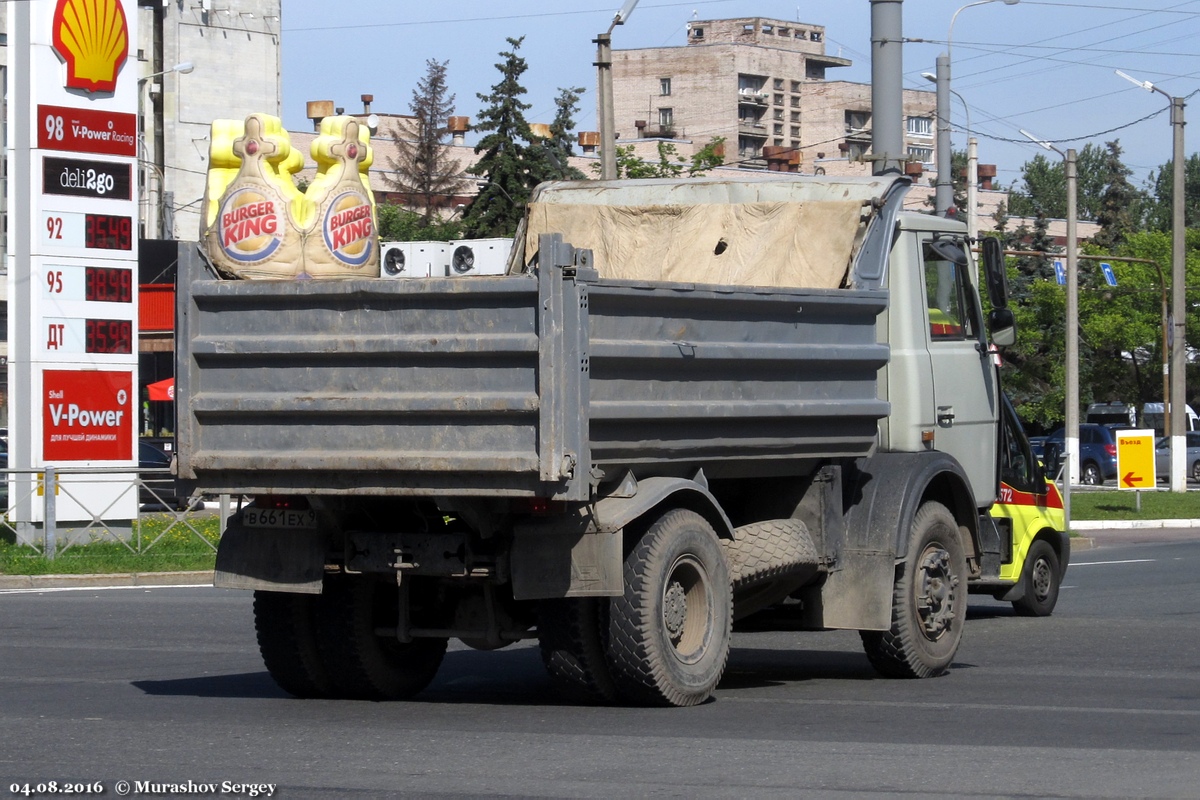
(799, 244)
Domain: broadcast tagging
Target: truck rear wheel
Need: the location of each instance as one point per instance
(356, 620)
(669, 633)
(929, 601)
(287, 638)
(1041, 578)
(571, 633)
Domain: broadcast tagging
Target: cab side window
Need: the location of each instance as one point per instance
(946, 296)
(1016, 460)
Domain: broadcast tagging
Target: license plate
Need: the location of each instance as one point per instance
(279, 518)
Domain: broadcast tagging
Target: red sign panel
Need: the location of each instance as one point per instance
(87, 130)
(87, 416)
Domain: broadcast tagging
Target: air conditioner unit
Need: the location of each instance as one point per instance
(479, 257)
(395, 260)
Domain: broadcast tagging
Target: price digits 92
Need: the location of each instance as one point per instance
(54, 787)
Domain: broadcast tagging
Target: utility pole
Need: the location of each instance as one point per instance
(887, 87)
(944, 191)
(608, 125)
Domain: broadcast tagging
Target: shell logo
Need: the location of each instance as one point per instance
(92, 38)
(250, 226)
(349, 228)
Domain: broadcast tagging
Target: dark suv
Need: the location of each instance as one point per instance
(1097, 453)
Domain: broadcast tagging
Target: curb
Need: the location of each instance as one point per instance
(131, 579)
(1131, 524)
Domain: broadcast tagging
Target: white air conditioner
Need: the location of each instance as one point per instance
(395, 260)
(479, 257)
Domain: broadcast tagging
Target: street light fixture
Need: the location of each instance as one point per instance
(183, 68)
(972, 165)
(944, 196)
(608, 125)
(1178, 294)
(1071, 434)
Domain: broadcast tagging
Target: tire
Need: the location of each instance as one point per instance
(1041, 577)
(287, 638)
(669, 633)
(1196, 471)
(364, 665)
(1091, 474)
(929, 601)
(572, 635)
(767, 561)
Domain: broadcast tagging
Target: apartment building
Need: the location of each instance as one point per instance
(762, 85)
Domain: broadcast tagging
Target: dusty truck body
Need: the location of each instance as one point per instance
(645, 431)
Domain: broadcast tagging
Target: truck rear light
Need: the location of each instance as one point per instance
(538, 506)
(295, 502)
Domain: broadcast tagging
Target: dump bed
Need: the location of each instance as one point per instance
(512, 385)
(541, 384)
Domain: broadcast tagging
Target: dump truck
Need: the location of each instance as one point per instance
(689, 403)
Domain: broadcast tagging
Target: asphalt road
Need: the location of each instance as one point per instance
(165, 686)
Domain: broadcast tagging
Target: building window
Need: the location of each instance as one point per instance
(779, 84)
(856, 150)
(779, 113)
(795, 116)
(778, 99)
(922, 154)
(857, 120)
(796, 144)
(749, 147)
(795, 86)
(785, 31)
(768, 30)
(815, 36)
(920, 126)
(795, 130)
(697, 33)
(779, 142)
(778, 130)
(664, 86)
(666, 117)
(795, 101)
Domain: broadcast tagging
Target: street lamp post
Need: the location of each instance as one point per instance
(1071, 434)
(153, 159)
(944, 194)
(1178, 291)
(608, 125)
(972, 160)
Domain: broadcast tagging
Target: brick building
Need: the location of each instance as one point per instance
(761, 85)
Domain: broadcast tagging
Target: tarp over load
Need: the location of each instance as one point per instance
(766, 229)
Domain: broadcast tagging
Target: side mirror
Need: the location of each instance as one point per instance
(1002, 327)
(993, 268)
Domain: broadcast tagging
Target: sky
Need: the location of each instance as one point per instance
(1046, 67)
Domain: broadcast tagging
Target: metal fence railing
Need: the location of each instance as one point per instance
(33, 503)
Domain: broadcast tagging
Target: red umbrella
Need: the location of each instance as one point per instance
(163, 390)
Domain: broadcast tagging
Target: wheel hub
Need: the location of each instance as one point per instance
(936, 593)
(1041, 579)
(675, 610)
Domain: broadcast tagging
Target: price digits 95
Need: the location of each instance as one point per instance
(54, 787)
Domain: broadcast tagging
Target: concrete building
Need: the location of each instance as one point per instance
(762, 85)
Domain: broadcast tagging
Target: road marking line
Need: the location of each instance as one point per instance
(1168, 712)
(1102, 563)
(49, 589)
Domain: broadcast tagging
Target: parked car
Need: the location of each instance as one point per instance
(1038, 445)
(1097, 453)
(157, 489)
(4, 476)
(1162, 457)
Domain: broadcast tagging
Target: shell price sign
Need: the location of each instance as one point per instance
(72, 244)
(1135, 460)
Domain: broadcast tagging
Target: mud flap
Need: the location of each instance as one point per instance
(270, 560)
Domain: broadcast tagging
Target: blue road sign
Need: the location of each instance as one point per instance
(1109, 275)
(1060, 272)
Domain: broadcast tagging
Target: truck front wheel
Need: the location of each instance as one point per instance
(929, 601)
(356, 622)
(669, 633)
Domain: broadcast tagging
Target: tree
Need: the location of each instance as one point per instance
(398, 224)
(1045, 185)
(423, 168)
(1162, 190)
(710, 156)
(1118, 202)
(559, 147)
(512, 164)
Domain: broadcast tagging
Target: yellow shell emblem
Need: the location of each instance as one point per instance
(92, 38)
